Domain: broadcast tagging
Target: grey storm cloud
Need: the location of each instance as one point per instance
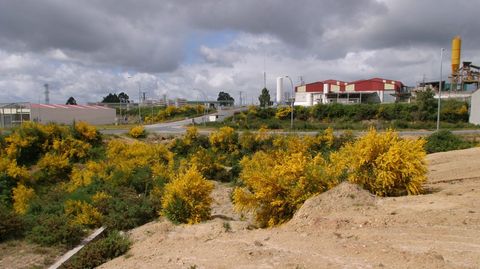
(93, 32)
(409, 23)
(91, 47)
(149, 35)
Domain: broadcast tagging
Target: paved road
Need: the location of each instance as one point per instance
(178, 127)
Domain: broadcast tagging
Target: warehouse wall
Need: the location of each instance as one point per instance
(90, 114)
(475, 108)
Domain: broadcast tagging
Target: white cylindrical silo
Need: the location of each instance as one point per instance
(279, 90)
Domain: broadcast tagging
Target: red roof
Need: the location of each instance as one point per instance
(373, 84)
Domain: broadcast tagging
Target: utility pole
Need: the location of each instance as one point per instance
(440, 89)
(240, 98)
(47, 94)
(292, 101)
(139, 102)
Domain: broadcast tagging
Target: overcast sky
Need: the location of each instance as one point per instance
(182, 48)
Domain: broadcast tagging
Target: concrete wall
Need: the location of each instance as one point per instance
(475, 108)
(67, 114)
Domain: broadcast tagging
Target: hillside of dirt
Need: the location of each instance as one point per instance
(345, 227)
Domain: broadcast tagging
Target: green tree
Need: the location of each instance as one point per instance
(111, 98)
(123, 97)
(71, 101)
(427, 105)
(264, 98)
(225, 98)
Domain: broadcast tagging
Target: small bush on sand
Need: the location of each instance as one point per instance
(444, 141)
(276, 184)
(187, 198)
(384, 163)
(137, 132)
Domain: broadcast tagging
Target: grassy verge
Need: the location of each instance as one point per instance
(308, 125)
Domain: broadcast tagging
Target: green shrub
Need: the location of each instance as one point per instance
(444, 140)
(50, 229)
(99, 252)
(454, 111)
(127, 209)
(11, 224)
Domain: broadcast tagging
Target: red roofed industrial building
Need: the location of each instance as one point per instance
(375, 90)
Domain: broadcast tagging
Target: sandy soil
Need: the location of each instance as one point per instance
(20, 254)
(345, 227)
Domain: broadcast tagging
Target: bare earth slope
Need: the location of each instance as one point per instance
(345, 227)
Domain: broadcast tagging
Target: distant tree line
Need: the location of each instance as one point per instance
(114, 98)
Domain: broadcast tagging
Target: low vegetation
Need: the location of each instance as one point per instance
(60, 182)
(137, 132)
(445, 140)
(99, 252)
(418, 115)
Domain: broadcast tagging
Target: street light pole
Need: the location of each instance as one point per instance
(292, 101)
(139, 102)
(205, 111)
(440, 89)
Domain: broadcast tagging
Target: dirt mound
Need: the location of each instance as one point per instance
(346, 227)
(337, 200)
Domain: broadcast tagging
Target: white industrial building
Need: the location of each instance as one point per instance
(475, 108)
(375, 90)
(16, 113)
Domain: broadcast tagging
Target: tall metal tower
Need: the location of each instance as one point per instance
(264, 72)
(47, 94)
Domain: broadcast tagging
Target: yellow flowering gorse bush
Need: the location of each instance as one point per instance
(137, 131)
(277, 183)
(283, 112)
(21, 197)
(87, 132)
(82, 213)
(224, 139)
(187, 198)
(385, 164)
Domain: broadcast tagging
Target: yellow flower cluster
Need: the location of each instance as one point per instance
(17, 142)
(71, 148)
(190, 135)
(82, 213)
(88, 132)
(385, 164)
(84, 175)
(283, 112)
(21, 197)
(224, 139)
(277, 183)
(137, 131)
(11, 169)
(187, 198)
(54, 167)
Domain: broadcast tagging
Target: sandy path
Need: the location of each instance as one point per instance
(343, 228)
